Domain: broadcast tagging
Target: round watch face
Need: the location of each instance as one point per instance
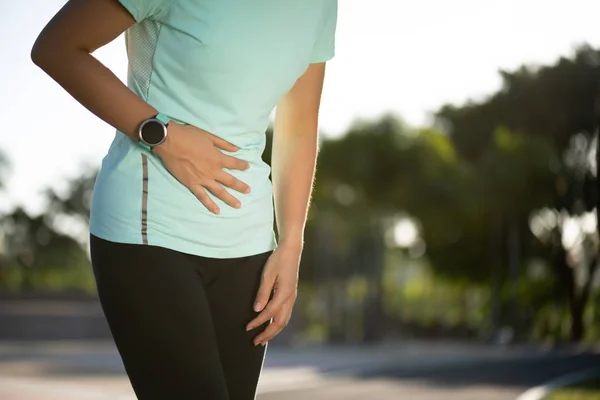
(153, 132)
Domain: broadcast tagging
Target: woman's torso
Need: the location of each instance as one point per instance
(221, 66)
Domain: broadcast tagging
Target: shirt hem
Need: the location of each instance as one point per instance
(322, 59)
(195, 250)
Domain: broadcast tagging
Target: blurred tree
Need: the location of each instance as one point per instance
(77, 200)
(40, 258)
(553, 102)
(359, 177)
(37, 256)
(557, 106)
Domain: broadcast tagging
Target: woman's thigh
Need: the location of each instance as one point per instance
(231, 293)
(156, 306)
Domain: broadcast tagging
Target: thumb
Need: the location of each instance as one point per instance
(264, 292)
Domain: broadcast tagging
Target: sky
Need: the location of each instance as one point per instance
(399, 56)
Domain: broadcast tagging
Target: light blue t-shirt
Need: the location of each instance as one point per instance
(220, 65)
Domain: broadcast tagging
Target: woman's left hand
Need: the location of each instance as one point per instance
(280, 277)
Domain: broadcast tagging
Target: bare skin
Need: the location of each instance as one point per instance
(64, 51)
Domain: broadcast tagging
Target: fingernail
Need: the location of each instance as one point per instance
(248, 328)
(257, 306)
(247, 191)
(238, 205)
(217, 211)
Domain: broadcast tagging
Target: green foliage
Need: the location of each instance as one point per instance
(532, 144)
(553, 102)
(369, 159)
(37, 257)
(587, 390)
(421, 301)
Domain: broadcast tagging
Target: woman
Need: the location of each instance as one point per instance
(188, 272)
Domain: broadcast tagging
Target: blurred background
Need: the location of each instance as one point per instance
(452, 244)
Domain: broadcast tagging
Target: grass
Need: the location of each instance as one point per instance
(587, 390)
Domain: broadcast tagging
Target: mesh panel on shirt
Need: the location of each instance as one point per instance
(141, 41)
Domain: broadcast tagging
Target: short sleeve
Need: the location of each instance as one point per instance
(324, 48)
(145, 9)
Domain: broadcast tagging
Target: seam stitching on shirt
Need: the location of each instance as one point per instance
(144, 199)
(163, 11)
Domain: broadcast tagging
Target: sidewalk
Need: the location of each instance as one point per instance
(92, 370)
(286, 369)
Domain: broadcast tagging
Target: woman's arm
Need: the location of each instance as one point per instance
(294, 156)
(63, 50)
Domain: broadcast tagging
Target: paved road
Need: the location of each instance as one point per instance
(489, 380)
(413, 370)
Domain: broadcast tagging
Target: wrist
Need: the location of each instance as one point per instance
(165, 146)
(153, 131)
(292, 242)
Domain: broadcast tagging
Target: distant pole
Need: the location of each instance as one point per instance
(327, 276)
(597, 135)
(374, 316)
(495, 273)
(514, 257)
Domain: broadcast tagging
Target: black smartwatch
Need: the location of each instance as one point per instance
(153, 131)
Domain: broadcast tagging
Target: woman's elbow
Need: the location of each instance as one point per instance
(40, 51)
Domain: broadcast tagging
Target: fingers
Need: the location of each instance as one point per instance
(274, 306)
(266, 314)
(232, 182)
(264, 291)
(205, 199)
(280, 321)
(222, 144)
(218, 190)
(235, 163)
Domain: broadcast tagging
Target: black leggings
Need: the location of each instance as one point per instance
(178, 320)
